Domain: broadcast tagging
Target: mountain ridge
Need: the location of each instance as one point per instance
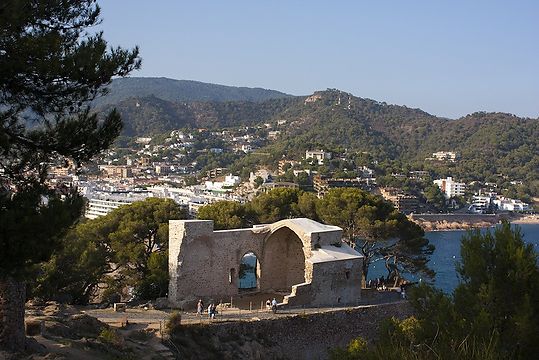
(182, 90)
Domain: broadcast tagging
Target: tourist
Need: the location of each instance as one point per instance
(200, 307)
(268, 305)
(211, 314)
(274, 305)
(403, 292)
(213, 311)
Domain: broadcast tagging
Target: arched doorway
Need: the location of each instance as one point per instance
(248, 272)
(283, 261)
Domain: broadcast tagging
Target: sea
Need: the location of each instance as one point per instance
(447, 254)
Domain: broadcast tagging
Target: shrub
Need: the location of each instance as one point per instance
(173, 323)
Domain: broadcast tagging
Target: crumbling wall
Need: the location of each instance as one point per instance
(203, 262)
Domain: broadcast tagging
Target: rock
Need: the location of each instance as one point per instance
(85, 325)
(34, 327)
(188, 303)
(161, 303)
(32, 346)
(52, 308)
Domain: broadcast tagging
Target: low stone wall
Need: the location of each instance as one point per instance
(298, 337)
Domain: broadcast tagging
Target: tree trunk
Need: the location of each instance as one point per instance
(12, 299)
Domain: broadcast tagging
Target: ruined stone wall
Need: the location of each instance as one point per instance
(300, 337)
(206, 263)
(332, 283)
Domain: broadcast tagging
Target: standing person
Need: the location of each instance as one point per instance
(274, 305)
(403, 292)
(200, 307)
(210, 313)
(268, 305)
(213, 311)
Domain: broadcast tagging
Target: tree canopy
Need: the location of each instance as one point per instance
(376, 229)
(127, 247)
(493, 313)
(51, 67)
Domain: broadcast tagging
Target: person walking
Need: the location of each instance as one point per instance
(274, 305)
(200, 307)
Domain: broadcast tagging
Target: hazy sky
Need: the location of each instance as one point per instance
(449, 58)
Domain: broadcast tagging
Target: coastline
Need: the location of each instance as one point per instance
(449, 222)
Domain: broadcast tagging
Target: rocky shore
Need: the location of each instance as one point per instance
(446, 222)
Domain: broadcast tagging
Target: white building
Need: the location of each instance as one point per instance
(505, 204)
(480, 204)
(227, 185)
(445, 155)
(451, 188)
(319, 155)
(102, 203)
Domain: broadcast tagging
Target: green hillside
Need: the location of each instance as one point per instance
(151, 115)
(492, 145)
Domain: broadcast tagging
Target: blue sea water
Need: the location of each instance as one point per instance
(447, 253)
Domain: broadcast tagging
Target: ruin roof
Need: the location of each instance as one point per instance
(309, 226)
(334, 253)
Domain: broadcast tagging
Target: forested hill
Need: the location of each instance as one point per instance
(151, 115)
(489, 143)
(182, 90)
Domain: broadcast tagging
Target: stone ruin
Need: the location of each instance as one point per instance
(301, 257)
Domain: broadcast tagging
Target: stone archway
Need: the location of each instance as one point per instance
(283, 263)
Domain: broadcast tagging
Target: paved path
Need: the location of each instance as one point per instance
(158, 317)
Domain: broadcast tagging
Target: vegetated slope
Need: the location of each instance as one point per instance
(151, 115)
(182, 90)
(491, 144)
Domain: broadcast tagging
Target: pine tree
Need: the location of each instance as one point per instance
(51, 68)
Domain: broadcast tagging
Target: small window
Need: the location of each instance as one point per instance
(232, 275)
(347, 274)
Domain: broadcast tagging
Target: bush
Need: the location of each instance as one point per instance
(173, 323)
(111, 337)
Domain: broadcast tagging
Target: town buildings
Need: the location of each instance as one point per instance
(319, 155)
(451, 188)
(445, 156)
(405, 203)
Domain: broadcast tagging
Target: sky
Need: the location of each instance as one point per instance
(447, 57)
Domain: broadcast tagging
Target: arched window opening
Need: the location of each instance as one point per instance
(248, 279)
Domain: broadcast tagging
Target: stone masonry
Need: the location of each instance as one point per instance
(307, 259)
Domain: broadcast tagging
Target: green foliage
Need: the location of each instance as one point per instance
(50, 69)
(258, 181)
(174, 323)
(493, 314)
(274, 205)
(131, 242)
(435, 197)
(378, 230)
(357, 349)
(111, 337)
(500, 289)
(225, 214)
